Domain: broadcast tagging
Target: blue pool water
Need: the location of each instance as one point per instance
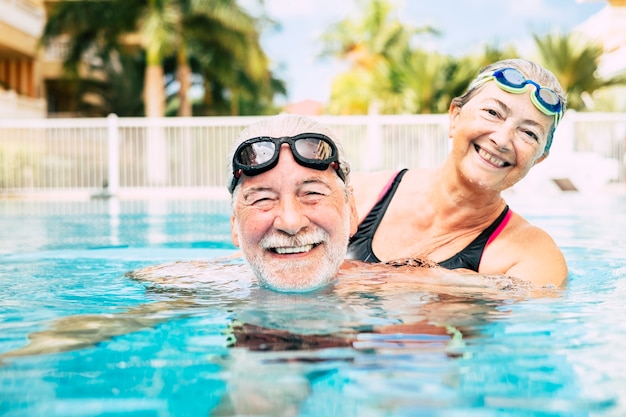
(80, 338)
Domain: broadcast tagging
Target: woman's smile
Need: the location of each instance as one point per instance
(490, 158)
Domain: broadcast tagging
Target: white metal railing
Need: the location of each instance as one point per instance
(15, 106)
(135, 157)
(57, 49)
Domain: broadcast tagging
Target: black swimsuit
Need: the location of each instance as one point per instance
(360, 246)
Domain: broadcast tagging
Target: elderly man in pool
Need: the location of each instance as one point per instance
(292, 210)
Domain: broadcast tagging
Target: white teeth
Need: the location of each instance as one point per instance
(295, 249)
(490, 158)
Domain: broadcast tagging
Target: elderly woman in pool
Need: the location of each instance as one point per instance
(455, 214)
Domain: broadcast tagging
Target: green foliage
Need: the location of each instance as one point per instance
(115, 86)
(90, 25)
(390, 71)
(378, 46)
(574, 61)
(217, 35)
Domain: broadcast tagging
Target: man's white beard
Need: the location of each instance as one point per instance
(304, 275)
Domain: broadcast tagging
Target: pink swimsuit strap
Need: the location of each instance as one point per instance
(500, 227)
(387, 186)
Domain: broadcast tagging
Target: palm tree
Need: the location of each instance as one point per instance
(574, 61)
(230, 57)
(372, 43)
(160, 32)
(94, 30)
(112, 87)
(351, 93)
(218, 32)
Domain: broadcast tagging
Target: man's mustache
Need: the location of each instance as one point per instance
(281, 240)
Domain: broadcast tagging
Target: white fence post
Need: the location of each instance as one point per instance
(373, 157)
(620, 136)
(113, 146)
(157, 169)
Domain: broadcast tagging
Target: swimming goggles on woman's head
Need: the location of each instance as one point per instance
(513, 81)
(258, 155)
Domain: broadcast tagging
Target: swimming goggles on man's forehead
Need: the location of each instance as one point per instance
(257, 155)
(513, 81)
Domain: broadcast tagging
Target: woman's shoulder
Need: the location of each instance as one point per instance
(520, 227)
(527, 251)
(520, 233)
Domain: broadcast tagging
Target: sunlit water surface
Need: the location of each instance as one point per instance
(102, 344)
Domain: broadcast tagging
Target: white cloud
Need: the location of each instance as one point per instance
(538, 9)
(316, 9)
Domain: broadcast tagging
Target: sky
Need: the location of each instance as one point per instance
(464, 26)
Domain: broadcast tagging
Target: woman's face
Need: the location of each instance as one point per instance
(497, 137)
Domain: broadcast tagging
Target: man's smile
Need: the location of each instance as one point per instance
(293, 249)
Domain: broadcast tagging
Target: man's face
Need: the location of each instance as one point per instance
(293, 224)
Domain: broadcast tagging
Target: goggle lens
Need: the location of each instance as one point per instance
(548, 96)
(255, 153)
(510, 77)
(314, 149)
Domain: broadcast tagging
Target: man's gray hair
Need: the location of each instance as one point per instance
(285, 125)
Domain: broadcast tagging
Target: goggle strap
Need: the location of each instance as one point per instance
(481, 81)
(511, 89)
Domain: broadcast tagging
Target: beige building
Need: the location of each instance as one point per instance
(21, 91)
(608, 27)
(32, 81)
